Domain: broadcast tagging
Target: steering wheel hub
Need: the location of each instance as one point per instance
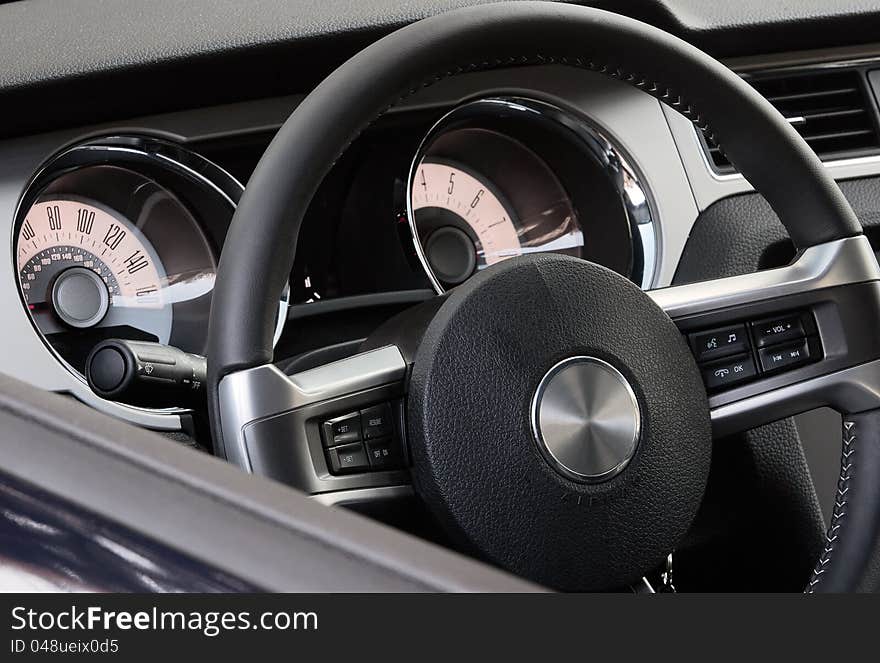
(586, 419)
(558, 423)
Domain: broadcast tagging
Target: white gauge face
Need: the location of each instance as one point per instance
(60, 234)
(444, 187)
(82, 267)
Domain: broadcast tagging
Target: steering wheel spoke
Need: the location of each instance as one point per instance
(832, 290)
(335, 431)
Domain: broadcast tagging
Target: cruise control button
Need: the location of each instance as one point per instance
(729, 372)
(719, 342)
(777, 330)
(342, 430)
(348, 458)
(785, 356)
(376, 421)
(384, 454)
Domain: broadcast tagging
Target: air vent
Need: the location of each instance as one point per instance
(832, 111)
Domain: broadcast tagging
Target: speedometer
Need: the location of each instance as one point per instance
(82, 267)
(65, 242)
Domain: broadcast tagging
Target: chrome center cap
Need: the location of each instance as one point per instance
(586, 419)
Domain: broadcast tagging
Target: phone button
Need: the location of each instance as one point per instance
(728, 372)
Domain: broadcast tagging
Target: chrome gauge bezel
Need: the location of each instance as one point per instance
(131, 152)
(630, 186)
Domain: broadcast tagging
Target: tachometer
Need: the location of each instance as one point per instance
(466, 224)
(509, 176)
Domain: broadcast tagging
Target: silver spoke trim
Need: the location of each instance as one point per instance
(841, 262)
(355, 496)
(851, 390)
(263, 391)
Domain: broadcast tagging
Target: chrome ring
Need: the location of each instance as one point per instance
(634, 195)
(132, 150)
(586, 419)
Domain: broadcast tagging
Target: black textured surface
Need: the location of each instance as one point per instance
(742, 234)
(476, 463)
(871, 580)
(100, 35)
(815, 428)
(749, 27)
(406, 329)
(759, 490)
(117, 55)
(785, 507)
(299, 157)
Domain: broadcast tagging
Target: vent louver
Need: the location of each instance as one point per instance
(831, 110)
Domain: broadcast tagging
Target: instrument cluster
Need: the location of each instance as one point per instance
(119, 237)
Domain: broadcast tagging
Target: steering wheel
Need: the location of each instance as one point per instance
(579, 461)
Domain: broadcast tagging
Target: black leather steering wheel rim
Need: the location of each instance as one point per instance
(261, 244)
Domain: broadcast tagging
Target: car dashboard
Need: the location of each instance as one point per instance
(122, 168)
(116, 230)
